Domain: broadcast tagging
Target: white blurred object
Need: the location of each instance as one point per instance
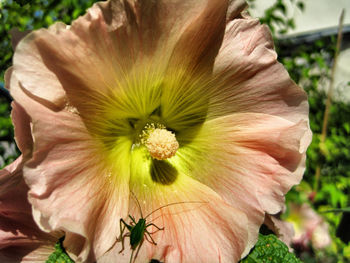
(342, 76)
(317, 15)
(320, 237)
(319, 18)
(9, 149)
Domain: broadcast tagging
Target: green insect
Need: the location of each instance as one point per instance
(138, 230)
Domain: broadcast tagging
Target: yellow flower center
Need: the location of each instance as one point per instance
(160, 143)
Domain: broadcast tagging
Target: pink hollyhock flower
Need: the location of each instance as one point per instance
(174, 101)
(310, 228)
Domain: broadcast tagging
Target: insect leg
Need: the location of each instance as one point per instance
(132, 254)
(151, 224)
(122, 236)
(132, 219)
(146, 237)
(122, 228)
(149, 234)
(159, 229)
(122, 241)
(111, 246)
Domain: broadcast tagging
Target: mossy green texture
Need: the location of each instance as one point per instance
(60, 255)
(269, 249)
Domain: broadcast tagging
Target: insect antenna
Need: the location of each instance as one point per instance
(137, 201)
(176, 203)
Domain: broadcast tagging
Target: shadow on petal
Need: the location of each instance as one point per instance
(163, 172)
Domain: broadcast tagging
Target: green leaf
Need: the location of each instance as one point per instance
(269, 249)
(60, 255)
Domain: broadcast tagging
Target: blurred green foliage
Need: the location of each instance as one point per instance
(309, 65)
(6, 131)
(278, 16)
(8, 150)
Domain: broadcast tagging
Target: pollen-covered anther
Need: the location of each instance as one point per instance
(161, 144)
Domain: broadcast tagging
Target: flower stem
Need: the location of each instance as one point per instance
(329, 96)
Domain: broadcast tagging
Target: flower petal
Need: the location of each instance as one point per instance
(37, 79)
(198, 45)
(235, 8)
(251, 160)
(20, 238)
(250, 79)
(17, 36)
(207, 224)
(283, 229)
(109, 40)
(70, 187)
(23, 136)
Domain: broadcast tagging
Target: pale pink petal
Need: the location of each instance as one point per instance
(211, 231)
(283, 229)
(70, 187)
(20, 238)
(7, 77)
(251, 160)
(235, 8)
(17, 36)
(42, 83)
(99, 49)
(251, 79)
(22, 127)
(268, 149)
(196, 49)
(31, 253)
